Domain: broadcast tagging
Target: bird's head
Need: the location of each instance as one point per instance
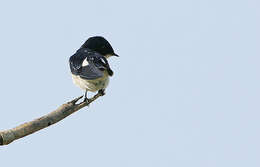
(100, 45)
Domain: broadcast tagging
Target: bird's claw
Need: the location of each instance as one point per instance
(86, 100)
(102, 92)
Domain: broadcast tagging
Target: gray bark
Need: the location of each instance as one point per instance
(8, 136)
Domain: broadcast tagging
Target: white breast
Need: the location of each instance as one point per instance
(91, 85)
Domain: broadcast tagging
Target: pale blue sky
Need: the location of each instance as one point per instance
(185, 92)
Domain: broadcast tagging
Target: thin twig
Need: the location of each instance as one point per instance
(8, 136)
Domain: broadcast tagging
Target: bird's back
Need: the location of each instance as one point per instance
(94, 67)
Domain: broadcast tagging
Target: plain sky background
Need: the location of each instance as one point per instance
(185, 92)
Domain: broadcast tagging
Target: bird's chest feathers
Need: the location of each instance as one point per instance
(91, 85)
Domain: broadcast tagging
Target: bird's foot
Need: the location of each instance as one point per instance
(86, 100)
(102, 92)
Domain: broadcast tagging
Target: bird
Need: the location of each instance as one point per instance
(89, 67)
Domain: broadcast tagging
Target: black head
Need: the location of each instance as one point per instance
(100, 45)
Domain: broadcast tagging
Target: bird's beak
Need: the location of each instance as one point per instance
(115, 55)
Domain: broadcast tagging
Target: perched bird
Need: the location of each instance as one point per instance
(89, 66)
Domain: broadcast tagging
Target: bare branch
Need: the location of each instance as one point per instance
(8, 136)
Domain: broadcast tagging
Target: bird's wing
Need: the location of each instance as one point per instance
(92, 70)
(75, 62)
(102, 63)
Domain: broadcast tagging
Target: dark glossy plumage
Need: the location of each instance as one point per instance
(99, 44)
(97, 63)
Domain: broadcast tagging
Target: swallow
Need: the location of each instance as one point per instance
(89, 67)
